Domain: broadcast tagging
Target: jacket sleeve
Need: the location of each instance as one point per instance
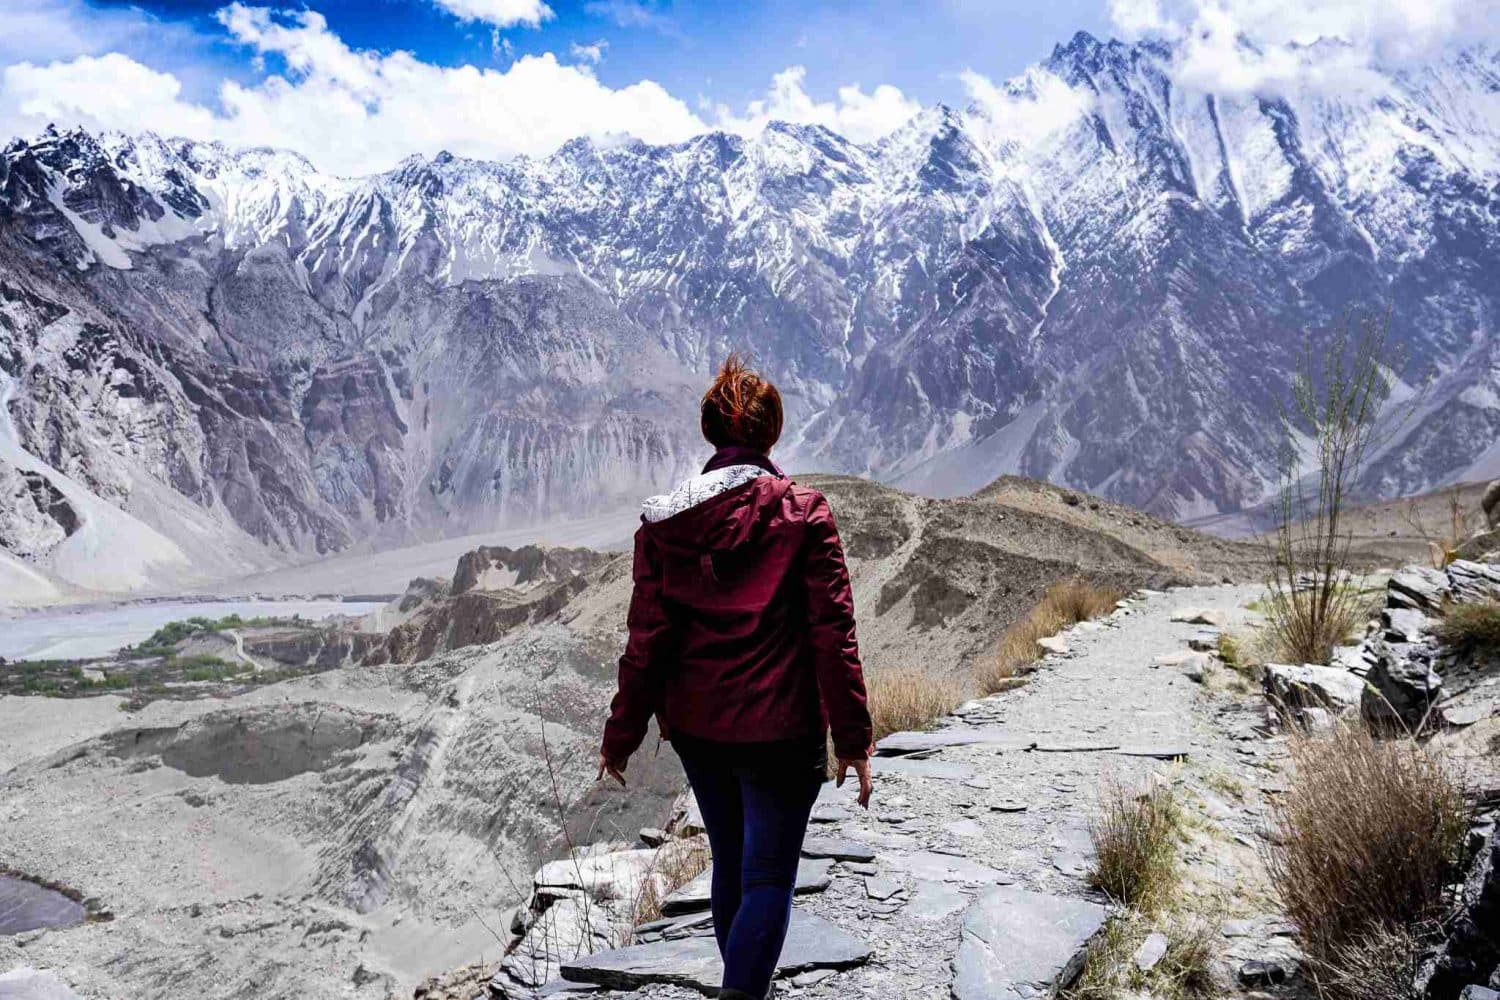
(841, 680)
(639, 693)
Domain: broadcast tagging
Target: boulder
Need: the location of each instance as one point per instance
(1054, 644)
(1405, 624)
(1471, 952)
(1294, 688)
(1490, 504)
(1016, 944)
(1417, 587)
(1473, 581)
(1402, 685)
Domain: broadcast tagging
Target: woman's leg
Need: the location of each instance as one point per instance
(718, 793)
(776, 807)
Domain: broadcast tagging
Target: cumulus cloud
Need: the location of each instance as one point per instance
(854, 114)
(349, 111)
(500, 13)
(354, 112)
(1272, 45)
(108, 91)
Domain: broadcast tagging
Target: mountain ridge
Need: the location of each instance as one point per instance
(1108, 297)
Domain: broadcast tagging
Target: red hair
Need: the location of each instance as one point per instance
(741, 408)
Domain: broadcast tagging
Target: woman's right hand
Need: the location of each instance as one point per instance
(616, 771)
(861, 767)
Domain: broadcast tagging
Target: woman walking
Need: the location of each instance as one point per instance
(742, 645)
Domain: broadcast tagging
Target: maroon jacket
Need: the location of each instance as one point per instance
(742, 624)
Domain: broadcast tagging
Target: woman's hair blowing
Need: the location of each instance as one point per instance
(741, 408)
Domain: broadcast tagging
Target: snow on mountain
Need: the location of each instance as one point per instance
(1098, 274)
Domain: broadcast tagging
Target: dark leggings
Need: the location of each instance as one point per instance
(755, 799)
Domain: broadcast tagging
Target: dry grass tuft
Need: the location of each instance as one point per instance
(1135, 847)
(1471, 628)
(1065, 603)
(1185, 972)
(1382, 965)
(1369, 832)
(1303, 624)
(677, 863)
(903, 700)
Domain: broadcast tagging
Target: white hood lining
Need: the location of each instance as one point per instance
(691, 492)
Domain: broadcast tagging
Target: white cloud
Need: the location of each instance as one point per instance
(349, 111)
(589, 53)
(357, 112)
(1028, 108)
(501, 13)
(854, 114)
(1274, 45)
(108, 91)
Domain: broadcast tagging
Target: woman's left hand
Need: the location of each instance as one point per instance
(616, 771)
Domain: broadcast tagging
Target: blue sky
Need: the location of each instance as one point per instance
(725, 51)
(356, 85)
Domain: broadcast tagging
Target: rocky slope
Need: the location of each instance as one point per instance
(227, 356)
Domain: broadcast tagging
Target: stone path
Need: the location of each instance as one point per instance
(966, 877)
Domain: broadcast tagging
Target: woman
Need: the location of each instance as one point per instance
(742, 644)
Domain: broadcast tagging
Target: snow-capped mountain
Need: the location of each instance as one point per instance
(1101, 278)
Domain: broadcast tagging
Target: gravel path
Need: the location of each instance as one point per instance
(1013, 806)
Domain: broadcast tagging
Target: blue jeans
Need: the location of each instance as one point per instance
(755, 799)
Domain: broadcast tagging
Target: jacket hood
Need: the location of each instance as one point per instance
(715, 511)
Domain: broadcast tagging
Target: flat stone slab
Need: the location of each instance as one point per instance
(811, 943)
(836, 849)
(909, 767)
(1016, 944)
(26, 906)
(901, 744)
(1075, 747)
(812, 876)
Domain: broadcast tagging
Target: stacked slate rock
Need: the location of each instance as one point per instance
(1408, 673)
(1467, 965)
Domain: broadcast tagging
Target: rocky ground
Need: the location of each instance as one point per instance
(968, 876)
(979, 833)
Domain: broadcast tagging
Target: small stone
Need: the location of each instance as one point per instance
(1204, 642)
(1150, 952)
(881, 888)
(1478, 993)
(1263, 972)
(1054, 644)
(1201, 616)
(860, 868)
(812, 978)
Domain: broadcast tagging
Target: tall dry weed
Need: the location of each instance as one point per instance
(1367, 836)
